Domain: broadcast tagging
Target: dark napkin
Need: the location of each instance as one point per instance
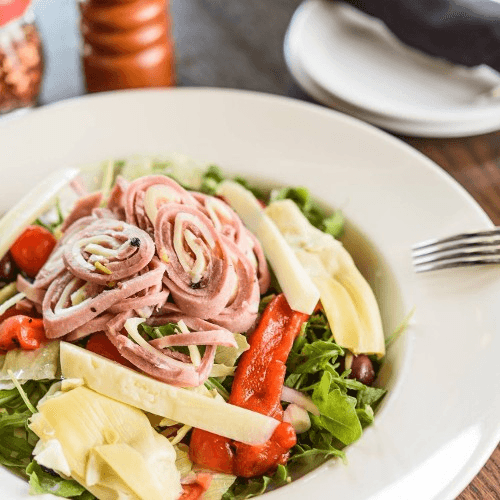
(465, 32)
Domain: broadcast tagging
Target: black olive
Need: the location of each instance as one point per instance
(135, 242)
(362, 369)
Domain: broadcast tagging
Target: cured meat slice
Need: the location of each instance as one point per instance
(71, 302)
(166, 365)
(55, 264)
(223, 217)
(240, 313)
(83, 208)
(116, 199)
(256, 253)
(228, 223)
(199, 274)
(146, 195)
(107, 251)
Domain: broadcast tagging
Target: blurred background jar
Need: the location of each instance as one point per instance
(21, 57)
(126, 44)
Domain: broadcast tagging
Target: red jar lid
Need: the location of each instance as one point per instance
(12, 9)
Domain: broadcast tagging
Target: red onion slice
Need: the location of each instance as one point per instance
(300, 399)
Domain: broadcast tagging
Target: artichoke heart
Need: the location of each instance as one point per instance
(110, 447)
(348, 301)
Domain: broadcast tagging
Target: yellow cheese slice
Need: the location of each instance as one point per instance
(103, 441)
(347, 299)
(176, 403)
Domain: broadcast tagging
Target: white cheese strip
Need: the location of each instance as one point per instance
(347, 299)
(11, 302)
(300, 291)
(33, 204)
(176, 403)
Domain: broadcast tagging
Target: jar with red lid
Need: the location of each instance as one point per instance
(21, 57)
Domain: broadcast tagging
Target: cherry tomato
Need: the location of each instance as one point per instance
(32, 249)
(100, 344)
(21, 331)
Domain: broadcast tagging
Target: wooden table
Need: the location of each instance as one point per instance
(239, 44)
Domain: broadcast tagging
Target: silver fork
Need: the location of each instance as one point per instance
(466, 249)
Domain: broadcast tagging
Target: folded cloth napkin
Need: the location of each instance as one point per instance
(465, 32)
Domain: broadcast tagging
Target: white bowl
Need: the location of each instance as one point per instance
(441, 419)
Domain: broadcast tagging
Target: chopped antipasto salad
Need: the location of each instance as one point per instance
(166, 338)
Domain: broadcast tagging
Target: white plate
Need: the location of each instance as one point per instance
(349, 60)
(441, 419)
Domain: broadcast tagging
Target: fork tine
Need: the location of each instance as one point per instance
(465, 245)
(460, 262)
(466, 249)
(457, 238)
(458, 253)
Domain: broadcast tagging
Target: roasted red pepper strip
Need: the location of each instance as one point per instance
(257, 386)
(21, 331)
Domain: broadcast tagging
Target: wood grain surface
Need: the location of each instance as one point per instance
(239, 44)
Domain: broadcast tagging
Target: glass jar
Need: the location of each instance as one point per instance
(21, 57)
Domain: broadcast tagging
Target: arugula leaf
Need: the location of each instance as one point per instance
(43, 481)
(370, 396)
(315, 357)
(365, 415)
(157, 332)
(243, 488)
(16, 439)
(211, 179)
(338, 411)
(334, 224)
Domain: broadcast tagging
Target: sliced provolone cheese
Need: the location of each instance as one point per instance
(176, 403)
(300, 292)
(348, 301)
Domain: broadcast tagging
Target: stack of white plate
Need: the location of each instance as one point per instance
(352, 62)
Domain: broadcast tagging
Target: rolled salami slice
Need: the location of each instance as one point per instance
(71, 302)
(146, 195)
(223, 217)
(227, 222)
(54, 266)
(165, 365)
(116, 199)
(240, 313)
(199, 274)
(82, 208)
(107, 251)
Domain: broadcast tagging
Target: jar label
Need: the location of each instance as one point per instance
(12, 9)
